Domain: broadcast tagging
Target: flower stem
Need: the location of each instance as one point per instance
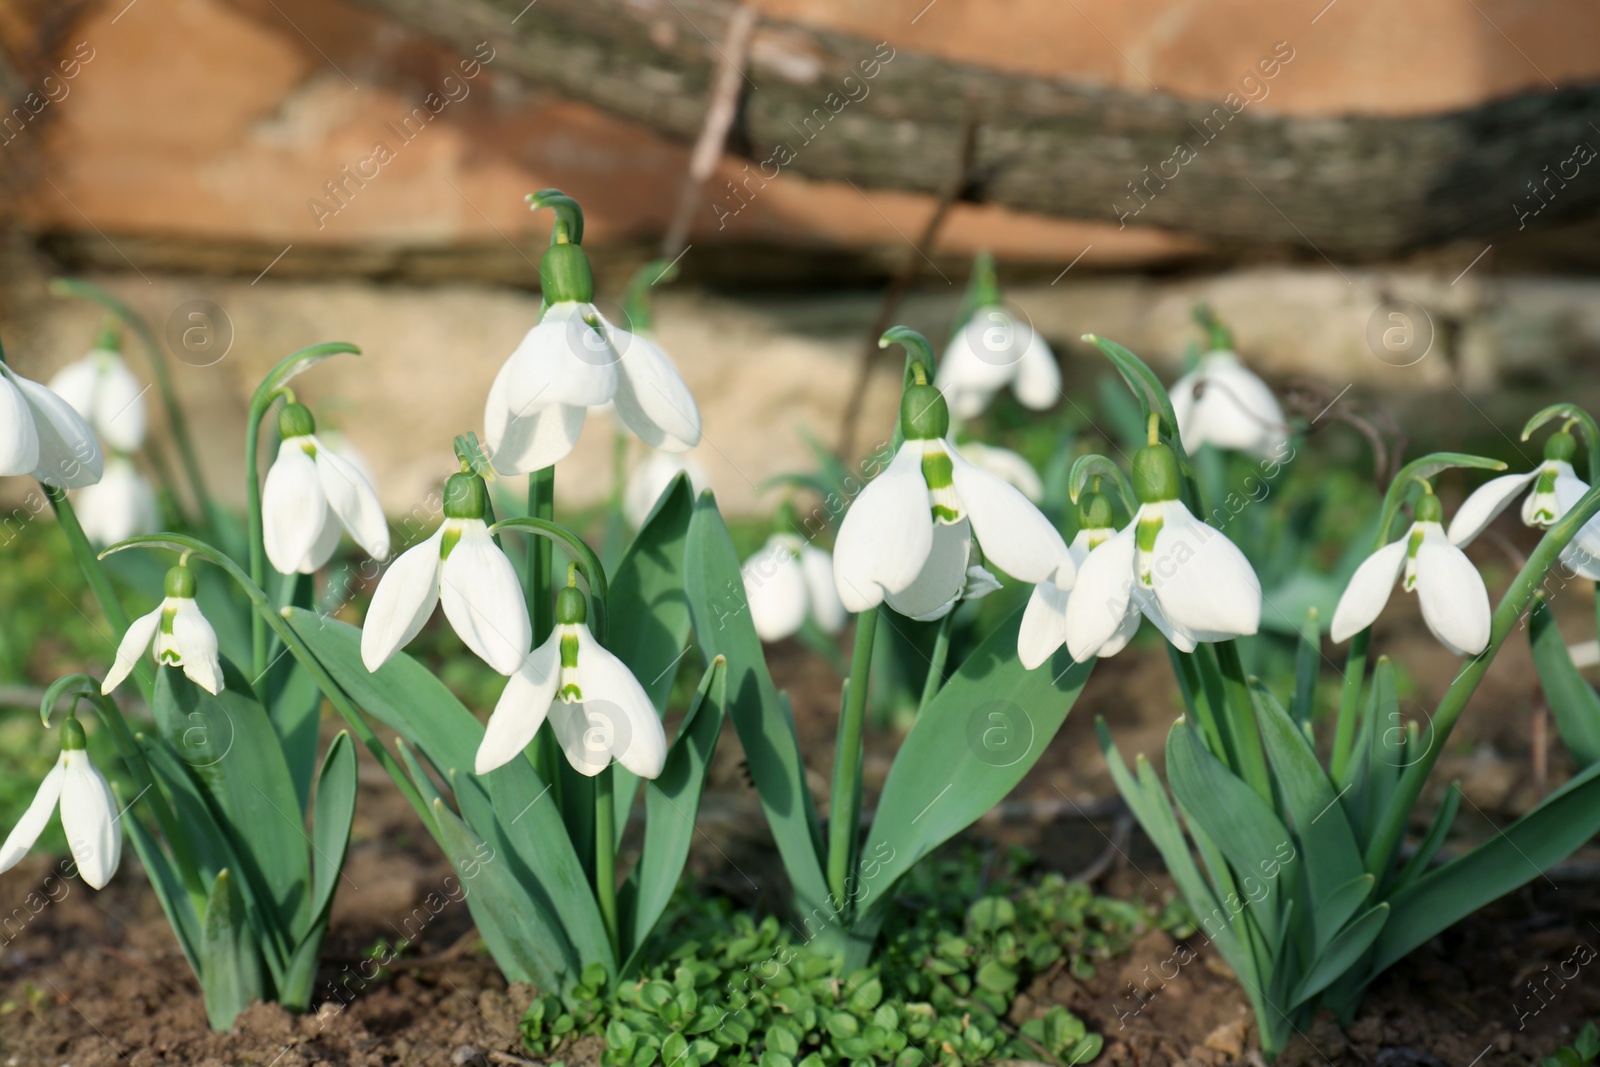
(258, 542)
(1245, 732)
(542, 505)
(844, 811)
(605, 856)
(941, 652)
(1355, 673)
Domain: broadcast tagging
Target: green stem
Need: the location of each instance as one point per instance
(94, 573)
(548, 757)
(258, 544)
(1381, 849)
(605, 856)
(1355, 673)
(941, 652)
(1242, 720)
(844, 812)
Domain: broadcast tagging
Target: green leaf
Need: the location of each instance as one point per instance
(969, 748)
(1573, 701)
(1428, 848)
(672, 802)
(335, 807)
(997, 977)
(1143, 383)
(1342, 953)
(168, 886)
(1543, 837)
(1424, 467)
(295, 708)
(1307, 665)
(722, 627)
(231, 969)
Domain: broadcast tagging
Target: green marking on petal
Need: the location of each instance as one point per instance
(569, 653)
(948, 516)
(452, 536)
(571, 694)
(937, 470)
(167, 615)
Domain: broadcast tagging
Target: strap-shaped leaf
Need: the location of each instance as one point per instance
(1307, 666)
(1342, 953)
(722, 627)
(967, 749)
(294, 703)
(334, 809)
(672, 802)
(164, 879)
(1573, 701)
(1332, 858)
(1428, 848)
(231, 968)
(1515, 856)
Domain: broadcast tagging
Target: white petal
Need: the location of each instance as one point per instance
(354, 501)
(585, 742)
(1038, 384)
(119, 406)
(886, 535)
(1181, 637)
(563, 360)
(404, 599)
(293, 507)
(69, 456)
(1585, 545)
(90, 820)
(1487, 501)
(323, 547)
(1369, 590)
(1014, 535)
(775, 587)
(1455, 604)
(652, 399)
(826, 610)
(34, 820)
(984, 353)
(937, 587)
(134, 643)
(19, 441)
(522, 707)
(1005, 464)
(1236, 409)
(76, 383)
(1201, 579)
(1044, 624)
(1102, 596)
(1183, 409)
(120, 505)
(610, 691)
(483, 599)
(197, 643)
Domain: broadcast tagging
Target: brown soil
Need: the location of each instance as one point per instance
(95, 979)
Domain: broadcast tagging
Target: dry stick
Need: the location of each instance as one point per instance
(720, 113)
(901, 281)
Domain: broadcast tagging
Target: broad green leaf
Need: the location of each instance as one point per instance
(293, 701)
(969, 748)
(1573, 701)
(722, 627)
(1428, 848)
(168, 886)
(1332, 858)
(1307, 666)
(1378, 754)
(335, 807)
(672, 802)
(1543, 837)
(230, 971)
(1342, 953)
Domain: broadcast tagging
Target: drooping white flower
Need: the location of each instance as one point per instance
(1008, 465)
(1186, 577)
(89, 814)
(1556, 488)
(1455, 604)
(788, 581)
(651, 477)
(908, 538)
(309, 494)
(120, 505)
(993, 350)
(595, 705)
(102, 389)
(1044, 621)
(41, 435)
(463, 567)
(177, 636)
(574, 360)
(1223, 403)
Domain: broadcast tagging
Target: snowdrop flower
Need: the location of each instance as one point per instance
(652, 477)
(463, 567)
(41, 435)
(1186, 577)
(1044, 621)
(89, 813)
(574, 360)
(1455, 604)
(177, 636)
(1008, 465)
(991, 351)
(1555, 489)
(909, 537)
(102, 389)
(1223, 404)
(595, 705)
(120, 505)
(788, 581)
(309, 495)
